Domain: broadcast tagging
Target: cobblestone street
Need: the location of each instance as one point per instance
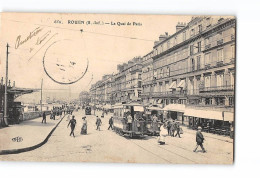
(106, 145)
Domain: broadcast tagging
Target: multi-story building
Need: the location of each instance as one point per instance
(100, 92)
(195, 65)
(126, 83)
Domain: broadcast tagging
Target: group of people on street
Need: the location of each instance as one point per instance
(173, 126)
(169, 128)
(72, 123)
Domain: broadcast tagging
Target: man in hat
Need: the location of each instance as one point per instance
(110, 123)
(72, 124)
(44, 117)
(98, 123)
(199, 140)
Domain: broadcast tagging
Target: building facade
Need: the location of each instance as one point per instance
(195, 66)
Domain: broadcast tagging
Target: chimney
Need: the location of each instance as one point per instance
(9, 83)
(155, 43)
(2, 81)
(180, 26)
(14, 84)
(130, 62)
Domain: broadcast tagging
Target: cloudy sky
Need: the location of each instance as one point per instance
(53, 48)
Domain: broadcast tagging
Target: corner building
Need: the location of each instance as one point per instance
(195, 66)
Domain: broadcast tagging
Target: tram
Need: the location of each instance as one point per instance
(153, 120)
(129, 120)
(87, 110)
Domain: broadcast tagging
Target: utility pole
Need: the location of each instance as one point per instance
(41, 95)
(6, 81)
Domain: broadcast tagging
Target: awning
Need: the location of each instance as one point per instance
(139, 108)
(107, 106)
(154, 108)
(181, 84)
(175, 107)
(229, 116)
(173, 85)
(117, 106)
(207, 114)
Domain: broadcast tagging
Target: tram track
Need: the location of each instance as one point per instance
(159, 156)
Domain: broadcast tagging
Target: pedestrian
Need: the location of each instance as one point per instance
(169, 126)
(178, 129)
(98, 123)
(129, 122)
(72, 124)
(84, 126)
(51, 115)
(110, 123)
(173, 128)
(44, 117)
(199, 140)
(163, 134)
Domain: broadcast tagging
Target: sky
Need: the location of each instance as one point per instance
(54, 48)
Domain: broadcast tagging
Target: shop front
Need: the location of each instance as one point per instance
(217, 122)
(175, 112)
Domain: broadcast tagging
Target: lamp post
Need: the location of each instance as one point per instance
(6, 82)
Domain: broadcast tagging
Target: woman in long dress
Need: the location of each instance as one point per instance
(163, 134)
(84, 126)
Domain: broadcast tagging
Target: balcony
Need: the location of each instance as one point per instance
(232, 37)
(207, 46)
(168, 94)
(217, 88)
(220, 63)
(219, 42)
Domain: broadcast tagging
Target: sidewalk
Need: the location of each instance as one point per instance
(210, 135)
(26, 134)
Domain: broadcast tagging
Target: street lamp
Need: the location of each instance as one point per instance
(6, 81)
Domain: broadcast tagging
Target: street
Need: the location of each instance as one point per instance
(107, 146)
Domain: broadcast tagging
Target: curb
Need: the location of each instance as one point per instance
(26, 149)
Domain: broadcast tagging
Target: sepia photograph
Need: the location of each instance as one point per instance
(117, 88)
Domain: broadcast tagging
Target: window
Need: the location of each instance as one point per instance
(232, 79)
(184, 35)
(168, 71)
(161, 74)
(207, 41)
(161, 48)
(199, 47)
(220, 80)
(207, 81)
(231, 101)
(198, 62)
(232, 51)
(168, 44)
(208, 101)
(191, 49)
(220, 55)
(200, 28)
(175, 40)
(207, 58)
(139, 84)
(220, 101)
(192, 32)
(192, 64)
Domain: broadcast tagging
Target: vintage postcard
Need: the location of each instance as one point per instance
(117, 88)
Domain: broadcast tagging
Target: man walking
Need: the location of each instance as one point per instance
(44, 117)
(178, 129)
(110, 123)
(72, 124)
(199, 140)
(98, 123)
